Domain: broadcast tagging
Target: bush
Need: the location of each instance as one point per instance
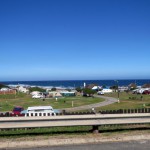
(31, 89)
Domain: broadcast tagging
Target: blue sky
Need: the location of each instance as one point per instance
(74, 39)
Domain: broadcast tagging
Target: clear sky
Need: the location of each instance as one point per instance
(74, 39)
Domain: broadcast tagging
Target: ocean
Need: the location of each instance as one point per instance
(76, 83)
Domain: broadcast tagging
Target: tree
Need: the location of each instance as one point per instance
(104, 86)
(114, 87)
(31, 89)
(53, 89)
(78, 89)
(3, 86)
(69, 90)
(88, 92)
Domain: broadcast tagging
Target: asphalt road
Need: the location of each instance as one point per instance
(133, 145)
(108, 101)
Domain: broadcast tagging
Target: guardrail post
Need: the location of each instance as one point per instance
(95, 129)
(63, 112)
(146, 110)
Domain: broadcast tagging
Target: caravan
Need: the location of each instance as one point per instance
(40, 111)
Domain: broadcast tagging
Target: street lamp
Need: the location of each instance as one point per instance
(117, 90)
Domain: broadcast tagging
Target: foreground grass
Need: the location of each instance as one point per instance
(71, 131)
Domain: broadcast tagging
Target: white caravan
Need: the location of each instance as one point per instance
(40, 111)
(107, 90)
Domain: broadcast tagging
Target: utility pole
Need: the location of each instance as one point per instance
(117, 90)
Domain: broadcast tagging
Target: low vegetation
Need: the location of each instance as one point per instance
(3, 86)
(44, 133)
(31, 89)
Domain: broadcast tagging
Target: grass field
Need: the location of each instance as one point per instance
(128, 101)
(9, 101)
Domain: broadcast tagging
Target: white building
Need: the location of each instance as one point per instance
(54, 94)
(96, 87)
(23, 89)
(35, 93)
(4, 89)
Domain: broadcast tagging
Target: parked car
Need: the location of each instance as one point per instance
(100, 93)
(37, 96)
(17, 110)
(146, 92)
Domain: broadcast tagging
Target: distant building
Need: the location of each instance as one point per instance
(54, 94)
(93, 86)
(66, 93)
(84, 85)
(146, 85)
(23, 89)
(132, 86)
(35, 93)
(4, 91)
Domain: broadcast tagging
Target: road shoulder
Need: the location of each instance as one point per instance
(39, 141)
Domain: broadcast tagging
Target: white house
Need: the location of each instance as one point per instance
(96, 87)
(23, 89)
(35, 93)
(54, 94)
(4, 89)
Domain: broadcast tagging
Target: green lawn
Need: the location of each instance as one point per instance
(7, 103)
(128, 101)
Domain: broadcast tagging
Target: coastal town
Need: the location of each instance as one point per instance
(74, 74)
(56, 108)
(60, 92)
(63, 94)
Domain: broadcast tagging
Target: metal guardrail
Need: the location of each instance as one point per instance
(64, 112)
(74, 120)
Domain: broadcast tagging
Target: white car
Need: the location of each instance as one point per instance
(100, 93)
(37, 96)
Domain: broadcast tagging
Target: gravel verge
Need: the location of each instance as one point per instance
(30, 142)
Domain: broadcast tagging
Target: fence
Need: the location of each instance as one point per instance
(8, 92)
(120, 111)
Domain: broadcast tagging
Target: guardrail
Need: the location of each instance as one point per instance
(94, 120)
(120, 111)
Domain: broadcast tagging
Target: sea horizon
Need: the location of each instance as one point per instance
(77, 83)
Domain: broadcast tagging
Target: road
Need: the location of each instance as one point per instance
(108, 101)
(133, 145)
